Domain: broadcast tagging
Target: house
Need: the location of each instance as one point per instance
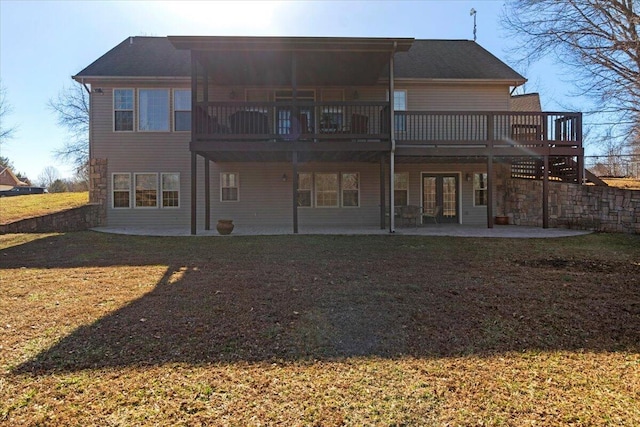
(312, 131)
(9, 180)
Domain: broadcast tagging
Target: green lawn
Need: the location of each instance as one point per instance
(20, 207)
(102, 329)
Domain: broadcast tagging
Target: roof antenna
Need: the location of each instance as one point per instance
(473, 13)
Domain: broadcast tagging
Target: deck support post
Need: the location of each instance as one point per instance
(490, 195)
(194, 173)
(545, 192)
(207, 195)
(392, 138)
(382, 201)
(294, 180)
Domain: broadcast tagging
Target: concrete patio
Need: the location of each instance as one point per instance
(504, 231)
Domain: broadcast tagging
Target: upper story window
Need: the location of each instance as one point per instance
(182, 110)
(123, 109)
(153, 110)
(400, 104)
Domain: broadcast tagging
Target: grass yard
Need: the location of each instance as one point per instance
(110, 330)
(20, 207)
(625, 183)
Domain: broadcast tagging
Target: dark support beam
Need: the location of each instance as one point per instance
(294, 161)
(490, 195)
(580, 171)
(545, 193)
(207, 196)
(382, 198)
(194, 91)
(194, 205)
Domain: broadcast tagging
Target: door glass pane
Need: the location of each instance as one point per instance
(429, 193)
(449, 202)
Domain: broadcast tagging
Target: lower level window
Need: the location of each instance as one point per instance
(480, 189)
(121, 190)
(146, 190)
(229, 187)
(350, 190)
(304, 189)
(326, 190)
(170, 190)
(401, 189)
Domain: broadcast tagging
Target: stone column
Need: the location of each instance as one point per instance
(98, 185)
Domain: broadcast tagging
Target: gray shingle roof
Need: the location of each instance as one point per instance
(430, 59)
(141, 57)
(451, 59)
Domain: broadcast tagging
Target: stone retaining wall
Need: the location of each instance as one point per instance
(572, 206)
(75, 219)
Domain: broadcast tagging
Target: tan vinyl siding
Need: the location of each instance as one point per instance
(470, 215)
(266, 200)
(467, 97)
(139, 152)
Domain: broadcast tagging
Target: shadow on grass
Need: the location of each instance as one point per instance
(327, 298)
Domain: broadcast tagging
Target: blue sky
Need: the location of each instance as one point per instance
(44, 43)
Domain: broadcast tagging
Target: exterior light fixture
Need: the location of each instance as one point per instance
(98, 90)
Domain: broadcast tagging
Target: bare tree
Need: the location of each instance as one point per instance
(72, 109)
(48, 176)
(598, 42)
(6, 132)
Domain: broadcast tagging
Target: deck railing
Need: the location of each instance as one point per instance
(285, 121)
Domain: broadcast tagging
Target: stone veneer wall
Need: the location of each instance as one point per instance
(75, 219)
(570, 205)
(98, 181)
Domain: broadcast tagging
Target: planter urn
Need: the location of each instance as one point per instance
(224, 226)
(502, 220)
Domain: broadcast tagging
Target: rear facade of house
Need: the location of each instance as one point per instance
(309, 132)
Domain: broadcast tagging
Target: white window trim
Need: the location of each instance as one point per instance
(161, 198)
(342, 190)
(137, 116)
(311, 198)
(338, 190)
(113, 109)
(237, 187)
(173, 109)
(473, 186)
(113, 190)
(135, 174)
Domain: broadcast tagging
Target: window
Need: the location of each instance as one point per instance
(304, 189)
(229, 187)
(480, 189)
(181, 110)
(123, 109)
(399, 105)
(170, 190)
(401, 189)
(146, 190)
(350, 190)
(121, 190)
(326, 190)
(153, 110)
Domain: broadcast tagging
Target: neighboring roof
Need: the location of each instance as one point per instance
(9, 179)
(426, 59)
(526, 102)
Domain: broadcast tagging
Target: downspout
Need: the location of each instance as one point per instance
(392, 154)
